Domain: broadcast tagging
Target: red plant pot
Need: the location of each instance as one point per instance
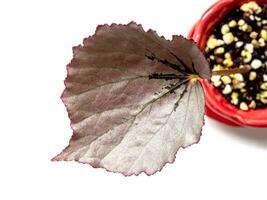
(217, 106)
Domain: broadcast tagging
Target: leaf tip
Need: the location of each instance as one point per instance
(56, 158)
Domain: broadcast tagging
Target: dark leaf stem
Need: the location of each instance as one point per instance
(243, 70)
(166, 76)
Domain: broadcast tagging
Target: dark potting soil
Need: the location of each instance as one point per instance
(238, 41)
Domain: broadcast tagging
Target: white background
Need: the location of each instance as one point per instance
(36, 38)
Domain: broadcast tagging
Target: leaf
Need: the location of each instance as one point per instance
(131, 100)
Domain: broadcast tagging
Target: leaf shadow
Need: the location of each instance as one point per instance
(250, 135)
